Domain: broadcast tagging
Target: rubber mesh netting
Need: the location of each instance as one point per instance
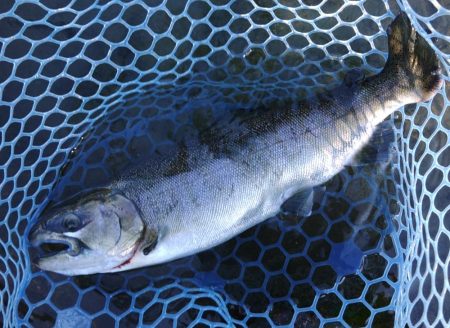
(88, 87)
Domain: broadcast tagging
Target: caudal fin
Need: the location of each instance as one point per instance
(413, 59)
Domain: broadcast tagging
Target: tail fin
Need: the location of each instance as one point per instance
(413, 59)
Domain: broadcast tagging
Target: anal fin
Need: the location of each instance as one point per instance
(379, 149)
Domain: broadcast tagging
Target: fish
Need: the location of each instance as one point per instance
(235, 172)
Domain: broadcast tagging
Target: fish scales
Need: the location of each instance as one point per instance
(237, 170)
(233, 191)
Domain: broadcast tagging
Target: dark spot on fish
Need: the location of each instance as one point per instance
(180, 164)
(216, 139)
(326, 99)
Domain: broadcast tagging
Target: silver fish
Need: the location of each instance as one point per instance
(235, 173)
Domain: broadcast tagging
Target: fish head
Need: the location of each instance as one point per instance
(93, 233)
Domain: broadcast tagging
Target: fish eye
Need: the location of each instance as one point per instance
(72, 223)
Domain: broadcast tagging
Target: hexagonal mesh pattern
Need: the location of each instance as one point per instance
(126, 77)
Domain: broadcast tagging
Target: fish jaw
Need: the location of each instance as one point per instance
(76, 259)
(64, 263)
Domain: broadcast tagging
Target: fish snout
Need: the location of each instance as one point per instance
(52, 242)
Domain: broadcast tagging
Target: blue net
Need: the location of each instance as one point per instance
(89, 87)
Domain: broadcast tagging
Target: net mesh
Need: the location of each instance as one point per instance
(88, 87)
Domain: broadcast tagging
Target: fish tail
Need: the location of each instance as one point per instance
(412, 60)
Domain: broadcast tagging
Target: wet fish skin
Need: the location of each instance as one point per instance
(237, 172)
(278, 152)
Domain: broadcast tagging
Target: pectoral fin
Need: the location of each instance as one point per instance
(149, 240)
(299, 204)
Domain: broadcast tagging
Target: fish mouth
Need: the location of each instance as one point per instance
(49, 243)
